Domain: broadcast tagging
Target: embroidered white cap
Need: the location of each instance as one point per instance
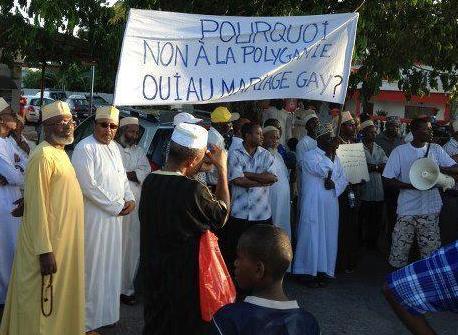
(107, 112)
(190, 136)
(54, 109)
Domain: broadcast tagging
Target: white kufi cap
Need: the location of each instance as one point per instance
(128, 120)
(190, 136)
(366, 124)
(185, 118)
(269, 129)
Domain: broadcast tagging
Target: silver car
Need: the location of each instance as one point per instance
(155, 132)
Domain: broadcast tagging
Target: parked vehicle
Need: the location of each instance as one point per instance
(79, 106)
(155, 133)
(97, 100)
(32, 108)
(53, 94)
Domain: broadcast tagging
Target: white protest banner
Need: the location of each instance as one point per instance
(174, 58)
(353, 161)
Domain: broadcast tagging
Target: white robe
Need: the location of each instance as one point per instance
(134, 159)
(105, 187)
(9, 225)
(280, 196)
(23, 157)
(316, 248)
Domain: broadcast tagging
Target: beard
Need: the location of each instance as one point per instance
(126, 142)
(62, 140)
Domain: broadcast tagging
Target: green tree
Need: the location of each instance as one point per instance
(32, 79)
(394, 37)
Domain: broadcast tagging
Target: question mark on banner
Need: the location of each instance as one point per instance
(338, 84)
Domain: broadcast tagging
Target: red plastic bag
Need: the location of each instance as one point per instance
(215, 283)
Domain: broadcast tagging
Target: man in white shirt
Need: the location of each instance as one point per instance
(19, 143)
(372, 195)
(107, 198)
(308, 142)
(137, 169)
(418, 211)
(11, 180)
(323, 180)
(310, 121)
(280, 201)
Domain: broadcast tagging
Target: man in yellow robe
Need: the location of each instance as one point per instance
(46, 291)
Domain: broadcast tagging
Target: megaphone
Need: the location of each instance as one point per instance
(425, 174)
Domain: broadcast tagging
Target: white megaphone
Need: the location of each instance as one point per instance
(425, 174)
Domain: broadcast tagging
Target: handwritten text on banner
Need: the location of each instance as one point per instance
(174, 58)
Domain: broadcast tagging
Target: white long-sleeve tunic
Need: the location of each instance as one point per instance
(134, 159)
(280, 196)
(9, 225)
(105, 187)
(316, 249)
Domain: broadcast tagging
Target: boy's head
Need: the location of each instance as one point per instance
(264, 254)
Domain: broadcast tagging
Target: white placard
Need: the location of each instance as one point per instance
(353, 160)
(174, 58)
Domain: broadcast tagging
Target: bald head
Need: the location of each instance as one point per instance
(270, 245)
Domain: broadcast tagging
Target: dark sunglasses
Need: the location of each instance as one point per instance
(107, 125)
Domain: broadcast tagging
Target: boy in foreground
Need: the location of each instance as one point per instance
(264, 254)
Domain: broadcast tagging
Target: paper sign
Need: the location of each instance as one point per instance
(353, 161)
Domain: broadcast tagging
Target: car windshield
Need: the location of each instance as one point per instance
(99, 101)
(58, 96)
(36, 101)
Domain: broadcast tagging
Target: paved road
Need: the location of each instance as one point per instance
(351, 304)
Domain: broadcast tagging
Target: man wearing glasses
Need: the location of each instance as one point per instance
(107, 198)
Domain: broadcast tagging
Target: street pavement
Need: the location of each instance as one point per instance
(351, 304)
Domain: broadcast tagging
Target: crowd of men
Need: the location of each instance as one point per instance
(74, 232)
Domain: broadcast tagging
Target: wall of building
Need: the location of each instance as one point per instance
(398, 108)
